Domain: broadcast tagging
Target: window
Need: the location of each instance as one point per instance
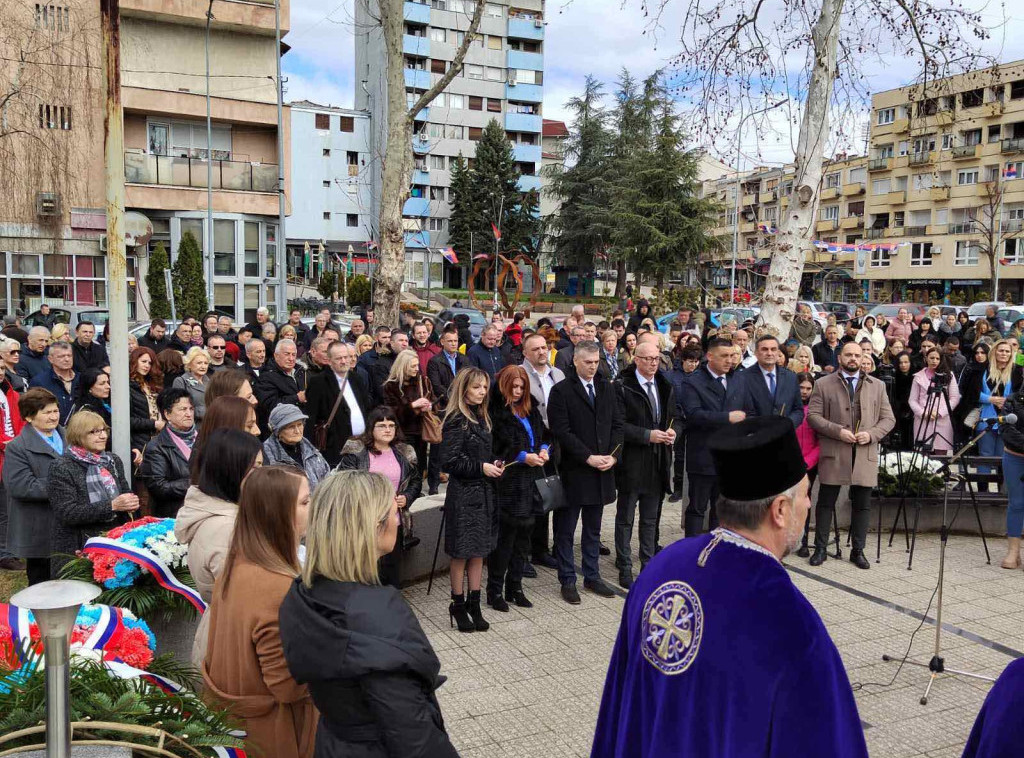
(855, 209)
(528, 76)
(1017, 170)
(771, 214)
(54, 17)
(858, 175)
(323, 121)
(416, 64)
(886, 116)
(475, 133)
(993, 133)
(327, 152)
(454, 132)
(884, 151)
(1017, 89)
(436, 224)
(55, 117)
(440, 100)
(159, 137)
(495, 74)
(972, 137)
(437, 66)
(897, 219)
(924, 144)
(252, 248)
(327, 215)
(493, 42)
(973, 98)
(435, 130)
(327, 183)
(945, 179)
(879, 258)
(493, 105)
(923, 181)
(947, 141)
(476, 103)
(437, 193)
(1013, 250)
(351, 158)
(189, 141)
(966, 253)
(456, 102)
(437, 34)
(351, 219)
(474, 72)
(921, 254)
(830, 213)
(991, 173)
(834, 179)
(437, 161)
(967, 176)
(530, 108)
(348, 124)
(903, 148)
(223, 248)
(492, 10)
(881, 186)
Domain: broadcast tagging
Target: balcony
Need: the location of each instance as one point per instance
(874, 232)
(827, 225)
(939, 193)
(417, 13)
(525, 61)
(749, 199)
(915, 231)
(417, 240)
(529, 182)
(900, 125)
(1014, 145)
(418, 46)
(524, 28)
(524, 93)
(896, 197)
(993, 109)
(416, 206)
(919, 159)
(936, 230)
(829, 193)
(1013, 225)
(878, 164)
(421, 176)
(526, 153)
(894, 231)
(854, 188)
(168, 171)
(961, 152)
(523, 122)
(966, 227)
(748, 227)
(767, 197)
(851, 222)
(420, 143)
(417, 79)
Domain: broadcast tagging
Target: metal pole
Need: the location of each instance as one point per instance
(428, 276)
(999, 233)
(117, 271)
(170, 295)
(281, 238)
(209, 170)
(736, 230)
(501, 212)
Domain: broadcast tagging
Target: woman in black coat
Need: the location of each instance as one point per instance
(356, 643)
(471, 523)
(518, 440)
(88, 490)
(969, 383)
(94, 395)
(902, 384)
(145, 381)
(165, 463)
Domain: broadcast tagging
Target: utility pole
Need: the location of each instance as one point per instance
(282, 240)
(117, 273)
(210, 257)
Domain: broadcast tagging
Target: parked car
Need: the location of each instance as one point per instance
(72, 315)
(1010, 315)
(891, 310)
(477, 322)
(978, 309)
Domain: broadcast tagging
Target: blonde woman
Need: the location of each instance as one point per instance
(1001, 379)
(61, 333)
(471, 524)
(364, 343)
(196, 378)
(803, 361)
(382, 688)
(409, 392)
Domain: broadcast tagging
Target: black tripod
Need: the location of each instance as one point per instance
(937, 664)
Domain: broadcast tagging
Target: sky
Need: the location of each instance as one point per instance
(582, 37)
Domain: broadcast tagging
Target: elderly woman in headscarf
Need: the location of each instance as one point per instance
(287, 446)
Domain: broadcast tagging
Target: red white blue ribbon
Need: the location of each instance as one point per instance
(108, 624)
(123, 671)
(20, 622)
(228, 752)
(147, 560)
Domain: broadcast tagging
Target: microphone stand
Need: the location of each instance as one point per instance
(937, 664)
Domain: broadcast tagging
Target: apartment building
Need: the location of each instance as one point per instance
(53, 235)
(503, 79)
(332, 204)
(944, 179)
(752, 205)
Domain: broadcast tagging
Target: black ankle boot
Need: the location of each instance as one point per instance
(457, 613)
(516, 596)
(473, 607)
(497, 602)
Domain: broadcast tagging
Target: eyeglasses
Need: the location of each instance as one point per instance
(14, 352)
(216, 347)
(646, 358)
(384, 425)
(99, 432)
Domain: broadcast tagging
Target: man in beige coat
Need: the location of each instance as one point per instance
(850, 412)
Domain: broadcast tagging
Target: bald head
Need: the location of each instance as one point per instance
(646, 357)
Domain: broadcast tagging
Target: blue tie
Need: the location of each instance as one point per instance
(590, 392)
(771, 383)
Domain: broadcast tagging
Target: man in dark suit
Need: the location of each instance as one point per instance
(766, 389)
(441, 371)
(322, 395)
(564, 356)
(704, 403)
(281, 382)
(643, 478)
(87, 354)
(585, 415)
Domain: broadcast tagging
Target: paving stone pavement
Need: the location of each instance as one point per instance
(532, 684)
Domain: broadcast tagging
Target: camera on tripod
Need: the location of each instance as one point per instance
(940, 381)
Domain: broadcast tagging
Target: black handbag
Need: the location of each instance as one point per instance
(548, 495)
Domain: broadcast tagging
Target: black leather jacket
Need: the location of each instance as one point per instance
(165, 473)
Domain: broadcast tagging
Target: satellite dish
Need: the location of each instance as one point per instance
(137, 229)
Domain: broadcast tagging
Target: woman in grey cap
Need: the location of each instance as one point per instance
(286, 444)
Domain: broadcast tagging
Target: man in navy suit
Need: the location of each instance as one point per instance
(766, 389)
(704, 403)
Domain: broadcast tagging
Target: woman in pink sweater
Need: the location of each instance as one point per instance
(900, 327)
(808, 440)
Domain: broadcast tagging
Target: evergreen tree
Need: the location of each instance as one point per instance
(581, 227)
(159, 303)
(189, 281)
(465, 210)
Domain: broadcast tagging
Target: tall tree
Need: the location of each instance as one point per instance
(396, 159)
(159, 304)
(996, 237)
(189, 281)
(581, 230)
(464, 222)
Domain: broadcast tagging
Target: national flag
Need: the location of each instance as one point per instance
(371, 245)
(449, 255)
(1004, 261)
(1011, 171)
(497, 231)
(481, 257)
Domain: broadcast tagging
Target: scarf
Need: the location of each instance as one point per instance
(5, 411)
(183, 440)
(100, 483)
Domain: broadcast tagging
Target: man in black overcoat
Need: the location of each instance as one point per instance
(585, 415)
(322, 394)
(441, 371)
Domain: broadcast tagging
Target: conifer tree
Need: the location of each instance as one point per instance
(159, 303)
(465, 210)
(189, 282)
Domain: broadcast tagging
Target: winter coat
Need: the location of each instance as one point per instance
(245, 666)
(408, 419)
(514, 489)
(914, 342)
(583, 430)
(942, 427)
(355, 457)
(274, 387)
(877, 338)
(644, 467)
(370, 670)
(32, 363)
(89, 356)
(804, 330)
(11, 395)
(1013, 436)
(320, 398)
(425, 353)
(826, 355)
(471, 526)
(65, 400)
(829, 412)
(165, 473)
(27, 463)
(156, 345)
(75, 519)
(808, 439)
(439, 372)
(637, 319)
(142, 425)
(313, 464)
(491, 360)
(17, 381)
(380, 369)
(564, 359)
(205, 524)
(900, 330)
(196, 390)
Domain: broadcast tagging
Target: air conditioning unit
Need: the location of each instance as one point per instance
(425, 170)
(47, 204)
(538, 24)
(423, 137)
(511, 80)
(103, 243)
(936, 250)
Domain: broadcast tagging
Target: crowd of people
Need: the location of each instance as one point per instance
(234, 432)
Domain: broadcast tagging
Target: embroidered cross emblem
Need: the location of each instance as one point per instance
(673, 623)
(669, 629)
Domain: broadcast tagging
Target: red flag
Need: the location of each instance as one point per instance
(449, 255)
(496, 230)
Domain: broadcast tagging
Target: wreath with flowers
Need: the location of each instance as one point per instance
(141, 567)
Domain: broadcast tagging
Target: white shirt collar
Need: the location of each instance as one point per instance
(714, 375)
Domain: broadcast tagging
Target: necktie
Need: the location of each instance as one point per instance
(771, 383)
(850, 387)
(652, 396)
(721, 380)
(590, 392)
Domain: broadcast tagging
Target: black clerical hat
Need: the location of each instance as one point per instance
(757, 458)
